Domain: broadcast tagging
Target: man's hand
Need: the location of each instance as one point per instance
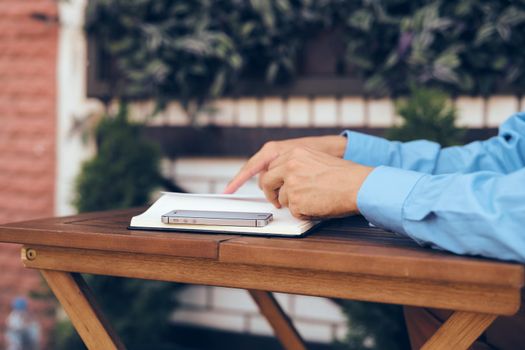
(313, 184)
(330, 145)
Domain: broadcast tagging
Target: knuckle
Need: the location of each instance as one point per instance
(292, 164)
(270, 145)
(294, 211)
(291, 181)
(263, 181)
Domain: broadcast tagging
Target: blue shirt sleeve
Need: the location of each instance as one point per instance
(504, 153)
(481, 213)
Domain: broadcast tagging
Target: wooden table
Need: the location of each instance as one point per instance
(343, 259)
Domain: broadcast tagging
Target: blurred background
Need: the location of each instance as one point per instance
(105, 102)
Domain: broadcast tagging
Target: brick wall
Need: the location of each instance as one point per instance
(27, 135)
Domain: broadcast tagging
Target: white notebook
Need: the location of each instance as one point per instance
(283, 224)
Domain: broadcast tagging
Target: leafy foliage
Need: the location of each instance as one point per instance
(428, 115)
(465, 46)
(373, 326)
(197, 50)
(123, 174)
(125, 170)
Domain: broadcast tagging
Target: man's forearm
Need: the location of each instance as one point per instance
(504, 153)
(480, 213)
(376, 151)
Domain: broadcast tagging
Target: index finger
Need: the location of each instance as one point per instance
(251, 168)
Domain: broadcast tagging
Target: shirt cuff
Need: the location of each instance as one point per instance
(366, 149)
(382, 196)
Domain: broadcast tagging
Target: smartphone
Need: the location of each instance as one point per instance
(218, 218)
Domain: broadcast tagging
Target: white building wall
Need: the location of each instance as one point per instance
(317, 319)
(73, 105)
(344, 112)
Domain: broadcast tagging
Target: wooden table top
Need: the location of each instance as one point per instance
(343, 245)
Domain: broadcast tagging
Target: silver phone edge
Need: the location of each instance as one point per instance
(217, 222)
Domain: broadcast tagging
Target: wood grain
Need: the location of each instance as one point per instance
(345, 258)
(459, 331)
(344, 245)
(360, 257)
(108, 231)
(484, 298)
(78, 302)
(282, 325)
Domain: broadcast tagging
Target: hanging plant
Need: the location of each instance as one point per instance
(198, 50)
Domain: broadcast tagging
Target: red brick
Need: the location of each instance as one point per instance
(36, 185)
(10, 101)
(20, 94)
(13, 9)
(37, 206)
(25, 67)
(28, 124)
(19, 126)
(35, 163)
(27, 133)
(25, 28)
(8, 62)
(21, 152)
(25, 47)
(25, 85)
(33, 195)
(42, 106)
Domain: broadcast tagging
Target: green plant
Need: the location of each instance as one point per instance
(374, 326)
(467, 46)
(123, 174)
(197, 50)
(427, 114)
(125, 170)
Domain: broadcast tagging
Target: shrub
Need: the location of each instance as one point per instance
(427, 114)
(123, 174)
(125, 170)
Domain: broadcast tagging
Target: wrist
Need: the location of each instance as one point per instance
(355, 176)
(382, 196)
(336, 145)
(362, 173)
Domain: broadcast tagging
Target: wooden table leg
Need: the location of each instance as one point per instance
(280, 322)
(459, 331)
(76, 298)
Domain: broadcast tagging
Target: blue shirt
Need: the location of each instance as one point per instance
(467, 199)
